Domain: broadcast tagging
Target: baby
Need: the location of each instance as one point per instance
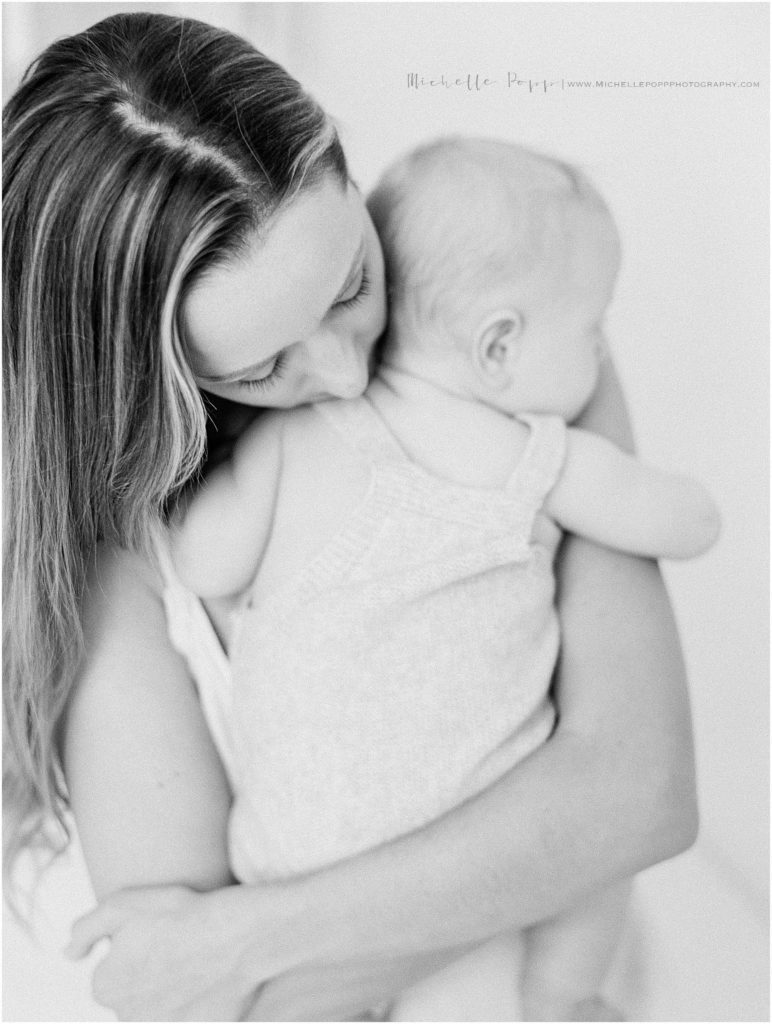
(391, 556)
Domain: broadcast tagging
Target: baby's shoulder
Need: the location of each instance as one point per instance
(263, 432)
(322, 466)
(316, 436)
(257, 455)
(277, 429)
(294, 451)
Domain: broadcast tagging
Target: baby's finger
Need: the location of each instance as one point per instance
(99, 923)
(595, 1009)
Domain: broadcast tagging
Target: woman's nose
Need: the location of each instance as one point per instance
(342, 369)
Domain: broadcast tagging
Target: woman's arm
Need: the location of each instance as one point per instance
(146, 787)
(610, 793)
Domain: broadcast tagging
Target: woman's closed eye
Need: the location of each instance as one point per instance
(258, 383)
(362, 290)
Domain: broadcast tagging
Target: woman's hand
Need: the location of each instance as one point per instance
(175, 954)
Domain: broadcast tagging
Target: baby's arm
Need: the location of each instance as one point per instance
(566, 958)
(221, 531)
(612, 498)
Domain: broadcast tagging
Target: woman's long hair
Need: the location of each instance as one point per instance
(136, 155)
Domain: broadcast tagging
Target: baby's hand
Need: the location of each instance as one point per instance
(594, 1008)
(543, 1001)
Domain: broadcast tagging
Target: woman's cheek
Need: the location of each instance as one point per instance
(381, 317)
(378, 277)
(380, 311)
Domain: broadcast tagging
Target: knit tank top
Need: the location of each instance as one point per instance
(403, 670)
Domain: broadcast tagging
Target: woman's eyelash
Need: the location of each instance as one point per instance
(259, 383)
(364, 289)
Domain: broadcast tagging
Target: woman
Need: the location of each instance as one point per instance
(178, 215)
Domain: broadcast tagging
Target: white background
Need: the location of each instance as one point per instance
(685, 172)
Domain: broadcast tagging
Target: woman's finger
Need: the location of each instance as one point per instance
(114, 911)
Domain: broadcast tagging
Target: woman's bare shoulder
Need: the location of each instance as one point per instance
(122, 610)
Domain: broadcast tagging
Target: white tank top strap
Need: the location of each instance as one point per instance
(192, 635)
(360, 425)
(538, 470)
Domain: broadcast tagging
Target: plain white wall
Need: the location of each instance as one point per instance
(685, 172)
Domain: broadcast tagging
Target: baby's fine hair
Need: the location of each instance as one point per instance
(458, 214)
(136, 155)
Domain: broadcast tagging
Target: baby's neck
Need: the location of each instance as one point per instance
(453, 435)
(400, 393)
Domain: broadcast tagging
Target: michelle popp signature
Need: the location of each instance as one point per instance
(476, 81)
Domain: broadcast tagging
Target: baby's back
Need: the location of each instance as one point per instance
(398, 649)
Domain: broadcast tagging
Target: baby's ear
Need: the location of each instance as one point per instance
(497, 344)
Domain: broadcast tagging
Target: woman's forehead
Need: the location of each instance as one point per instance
(279, 290)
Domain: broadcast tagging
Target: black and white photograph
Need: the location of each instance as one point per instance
(386, 511)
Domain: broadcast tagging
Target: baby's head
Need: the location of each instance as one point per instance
(501, 263)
